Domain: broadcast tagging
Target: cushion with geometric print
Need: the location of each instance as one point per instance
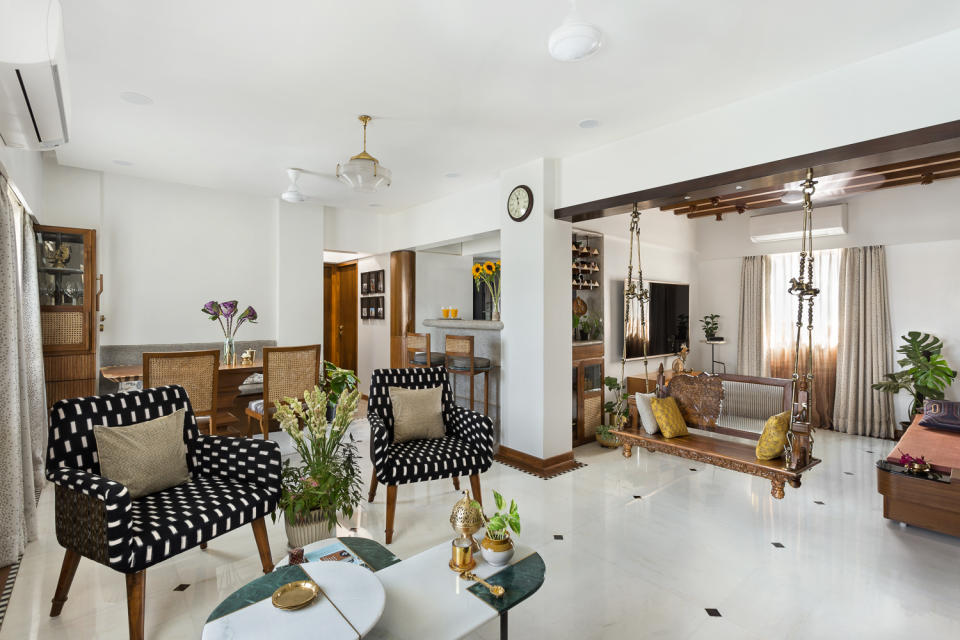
(669, 418)
(941, 414)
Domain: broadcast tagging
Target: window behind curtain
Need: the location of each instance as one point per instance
(780, 329)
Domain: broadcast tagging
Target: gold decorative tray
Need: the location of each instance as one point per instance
(295, 595)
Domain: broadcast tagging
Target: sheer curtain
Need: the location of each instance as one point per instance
(22, 404)
(780, 330)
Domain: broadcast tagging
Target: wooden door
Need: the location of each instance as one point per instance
(340, 314)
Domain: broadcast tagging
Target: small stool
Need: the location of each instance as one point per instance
(417, 348)
(461, 361)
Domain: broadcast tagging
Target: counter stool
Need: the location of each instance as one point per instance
(461, 362)
(418, 354)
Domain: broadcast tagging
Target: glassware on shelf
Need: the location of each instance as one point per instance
(48, 291)
(453, 312)
(445, 311)
(72, 290)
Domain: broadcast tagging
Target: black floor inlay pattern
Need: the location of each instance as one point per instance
(713, 613)
(692, 469)
(637, 497)
(557, 536)
(778, 545)
(819, 502)
(868, 450)
(181, 587)
(849, 473)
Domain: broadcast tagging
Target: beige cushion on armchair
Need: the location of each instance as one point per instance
(417, 413)
(146, 457)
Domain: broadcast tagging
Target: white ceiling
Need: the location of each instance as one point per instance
(243, 89)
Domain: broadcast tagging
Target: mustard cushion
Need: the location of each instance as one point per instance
(774, 437)
(668, 416)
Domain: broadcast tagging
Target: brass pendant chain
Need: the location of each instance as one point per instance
(633, 291)
(802, 287)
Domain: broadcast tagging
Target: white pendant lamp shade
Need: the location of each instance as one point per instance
(575, 39)
(363, 172)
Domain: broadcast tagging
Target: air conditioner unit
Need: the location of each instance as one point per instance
(775, 227)
(33, 103)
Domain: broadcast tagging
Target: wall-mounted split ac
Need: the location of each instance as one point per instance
(34, 108)
(776, 227)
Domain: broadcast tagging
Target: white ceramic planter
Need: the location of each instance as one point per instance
(496, 552)
(307, 531)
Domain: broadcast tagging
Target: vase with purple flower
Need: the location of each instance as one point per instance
(226, 314)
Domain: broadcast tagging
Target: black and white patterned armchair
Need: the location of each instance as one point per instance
(234, 481)
(465, 450)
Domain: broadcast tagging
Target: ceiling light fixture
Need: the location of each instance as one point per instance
(363, 172)
(135, 98)
(792, 196)
(292, 194)
(575, 39)
(589, 123)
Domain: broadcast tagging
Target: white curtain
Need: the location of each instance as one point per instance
(751, 360)
(22, 402)
(866, 347)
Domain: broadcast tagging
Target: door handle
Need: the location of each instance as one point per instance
(340, 330)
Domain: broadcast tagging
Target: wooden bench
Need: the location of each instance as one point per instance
(700, 399)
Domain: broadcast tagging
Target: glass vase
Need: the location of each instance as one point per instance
(229, 353)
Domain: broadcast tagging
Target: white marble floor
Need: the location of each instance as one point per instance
(626, 567)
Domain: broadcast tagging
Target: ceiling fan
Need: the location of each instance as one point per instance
(293, 194)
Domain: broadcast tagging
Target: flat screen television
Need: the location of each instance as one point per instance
(668, 320)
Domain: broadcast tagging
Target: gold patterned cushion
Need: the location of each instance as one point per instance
(774, 437)
(669, 418)
(146, 457)
(417, 413)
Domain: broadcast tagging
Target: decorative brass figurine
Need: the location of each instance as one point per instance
(466, 519)
(246, 358)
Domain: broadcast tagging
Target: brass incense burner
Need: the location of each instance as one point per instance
(466, 519)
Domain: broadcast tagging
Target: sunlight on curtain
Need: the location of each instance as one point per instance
(780, 330)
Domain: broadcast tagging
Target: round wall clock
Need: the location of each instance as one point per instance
(520, 203)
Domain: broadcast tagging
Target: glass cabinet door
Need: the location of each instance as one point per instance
(592, 377)
(60, 267)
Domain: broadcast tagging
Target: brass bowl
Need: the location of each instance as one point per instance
(295, 595)
(918, 467)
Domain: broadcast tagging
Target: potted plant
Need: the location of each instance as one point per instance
(592, 325)
(497, 547)
(617, 411)
(926, 373)
(326, 482)
(710, 327)
(336, 381)
(487, 274)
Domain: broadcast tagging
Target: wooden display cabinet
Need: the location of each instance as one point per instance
(587, 391)
(66, 266)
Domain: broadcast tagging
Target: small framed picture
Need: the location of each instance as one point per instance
(363, 312)
(380, 281)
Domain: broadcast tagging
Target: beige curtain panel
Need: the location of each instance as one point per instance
(865, 351)
(751, 355)
(22, 405)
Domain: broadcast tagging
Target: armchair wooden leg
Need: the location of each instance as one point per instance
(136, 583)
(203, 545)
(373, 486)
(475, 485)
(69, 569)
(456, 483)
(263, 545)
(391, 509)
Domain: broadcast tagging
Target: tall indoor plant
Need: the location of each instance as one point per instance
(926, 373)
(488, 273)
(225, 312)
(326, 482)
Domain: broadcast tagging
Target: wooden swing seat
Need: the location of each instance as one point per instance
(700, 400)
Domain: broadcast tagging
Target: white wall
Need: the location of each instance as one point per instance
(918, 225)
(442, 280)
(373, 336)
(299, 274)
(24, 170)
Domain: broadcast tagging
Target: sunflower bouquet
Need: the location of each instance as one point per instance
(488, 273)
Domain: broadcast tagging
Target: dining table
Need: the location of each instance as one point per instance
(229, 379)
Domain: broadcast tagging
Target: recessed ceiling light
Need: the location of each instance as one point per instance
(374, 204)
(452, 174)
(135, 98)
(686, 197)
(574, 39)
(123, 163)
(739, 187)
(589, 123)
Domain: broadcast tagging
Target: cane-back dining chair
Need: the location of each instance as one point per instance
(287, 373)
(196, 372)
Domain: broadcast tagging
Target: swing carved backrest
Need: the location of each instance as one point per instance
(700, 398)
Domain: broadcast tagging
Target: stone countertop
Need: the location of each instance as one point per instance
(457, 323)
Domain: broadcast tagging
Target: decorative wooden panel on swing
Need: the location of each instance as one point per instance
(66, 266)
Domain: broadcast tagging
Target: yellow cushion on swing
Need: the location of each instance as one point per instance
(774, 437)
(669, 418)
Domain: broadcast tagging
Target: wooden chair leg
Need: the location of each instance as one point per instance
(136, 583)
(373, 487)
(263, 545)
(391, 509)
(213, 424)
(265, 427)
(456, 483)
(69, 569)
(486, 393)
(472, 378)
(475, 486)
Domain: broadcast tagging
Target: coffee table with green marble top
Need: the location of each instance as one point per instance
(424, 599)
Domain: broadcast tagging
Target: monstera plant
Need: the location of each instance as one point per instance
(925, 372)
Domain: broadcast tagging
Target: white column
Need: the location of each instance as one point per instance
(536, 338)
(299, 299)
